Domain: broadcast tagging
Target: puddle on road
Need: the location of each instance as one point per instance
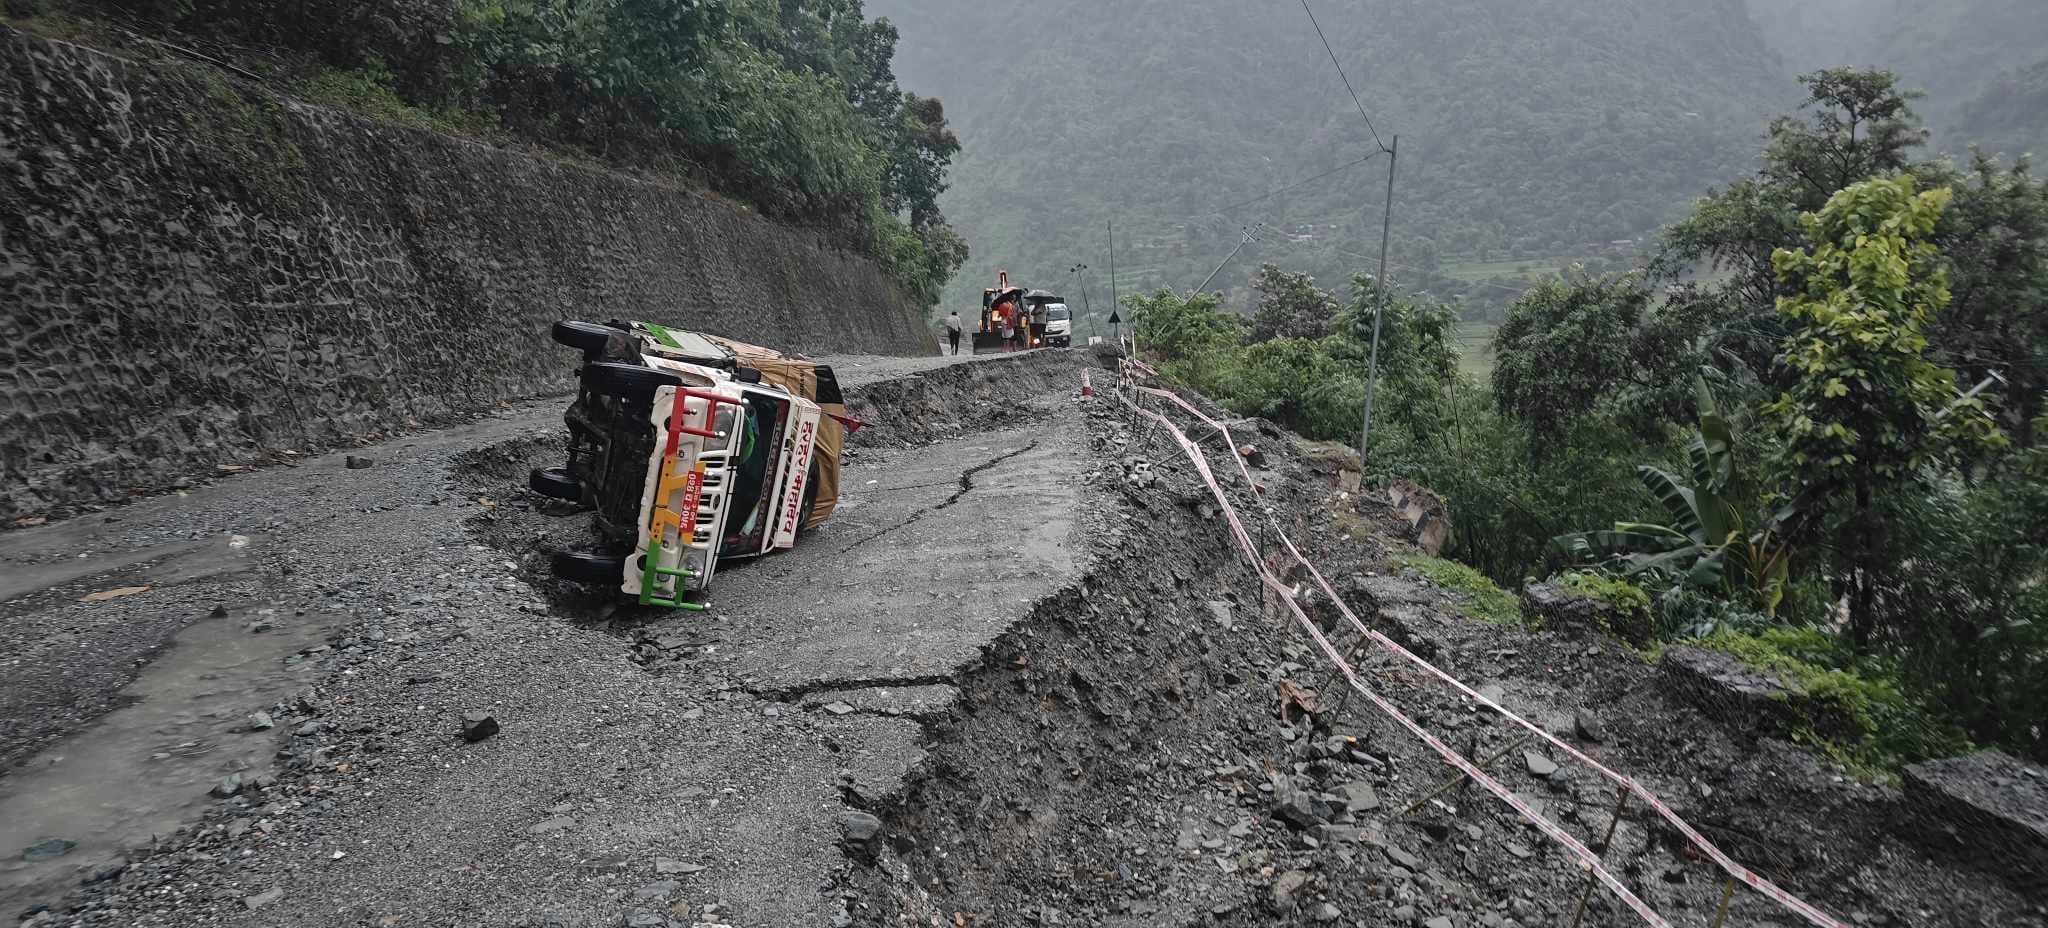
(174, 563)
(144, 769)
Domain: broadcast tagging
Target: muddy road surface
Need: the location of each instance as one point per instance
(245, 702)
(1021, 678)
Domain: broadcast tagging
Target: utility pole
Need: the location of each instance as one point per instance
(1372, 376)
(1114, 302)
(1249, 234)
(1080, 276)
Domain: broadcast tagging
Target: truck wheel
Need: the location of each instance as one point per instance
(587, 337)
(626, 381)
(594, 569)
(555, 483)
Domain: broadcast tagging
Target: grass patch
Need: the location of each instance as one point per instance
(369, 93)
(1892, 729)
(1483, 599)
(1525, 268)
(249, 135)
(1613, 591)
(1475, 349)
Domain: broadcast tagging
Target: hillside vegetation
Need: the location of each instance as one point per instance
(1531, 129)
(788, 105)
(1834, 441)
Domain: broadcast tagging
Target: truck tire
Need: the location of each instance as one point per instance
(555, 483)
(587, 337)
(594, 569)
(626, 381)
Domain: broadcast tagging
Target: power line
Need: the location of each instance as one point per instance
(1294, 186)
(1251, 234)
(1224, 211)
(1346, 78)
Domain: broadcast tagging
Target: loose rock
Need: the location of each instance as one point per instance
(1285, 887)
(108, 870)
(357, 462)
(1359, 796)
(478, 725)
(658, 891)
(550, 826)
(264, 898)
(859, 827)
(1587, 726)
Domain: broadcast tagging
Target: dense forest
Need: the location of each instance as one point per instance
(1532, 131)
(1533, 134)
(1827, 454)
(788, 105)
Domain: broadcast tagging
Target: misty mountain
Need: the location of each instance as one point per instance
(1530, 129)
(1956, 51)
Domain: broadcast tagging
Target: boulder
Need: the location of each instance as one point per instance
(1749, 699)
(1562, 610)
(1987, 809)
(1429, 523)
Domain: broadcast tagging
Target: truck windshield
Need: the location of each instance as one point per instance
(1059, 313)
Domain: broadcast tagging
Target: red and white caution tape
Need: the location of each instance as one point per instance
(1729, 865)
(1573, 846)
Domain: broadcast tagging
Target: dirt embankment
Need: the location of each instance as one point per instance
(1128, 756)
(196, 272)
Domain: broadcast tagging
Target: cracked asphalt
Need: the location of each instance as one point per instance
(365, 610)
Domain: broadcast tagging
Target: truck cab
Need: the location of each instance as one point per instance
(1059, 325)
(690, 450)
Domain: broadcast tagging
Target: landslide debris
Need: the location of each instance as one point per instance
(1131, 755)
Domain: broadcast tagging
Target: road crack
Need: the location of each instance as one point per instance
(966, 482)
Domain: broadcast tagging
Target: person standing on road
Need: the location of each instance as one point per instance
(953, 330)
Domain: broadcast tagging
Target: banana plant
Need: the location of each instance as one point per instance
(1706, 543)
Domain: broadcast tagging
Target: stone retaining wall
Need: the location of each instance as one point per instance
(197, 272)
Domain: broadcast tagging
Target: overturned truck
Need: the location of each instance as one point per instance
(690, 450)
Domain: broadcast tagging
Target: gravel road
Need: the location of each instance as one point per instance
(648, 767)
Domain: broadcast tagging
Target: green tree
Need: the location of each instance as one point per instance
(1864, 410)
(1862, 125)
(1565, 346)
(920, 149)
(1859, 124)
(1418, 343)
(1995, 236)
(1297, 383)
(1289, 305)
(1174, 326)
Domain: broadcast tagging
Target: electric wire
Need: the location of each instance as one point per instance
(1345, 77)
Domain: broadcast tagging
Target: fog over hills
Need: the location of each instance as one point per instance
(1531, 130)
